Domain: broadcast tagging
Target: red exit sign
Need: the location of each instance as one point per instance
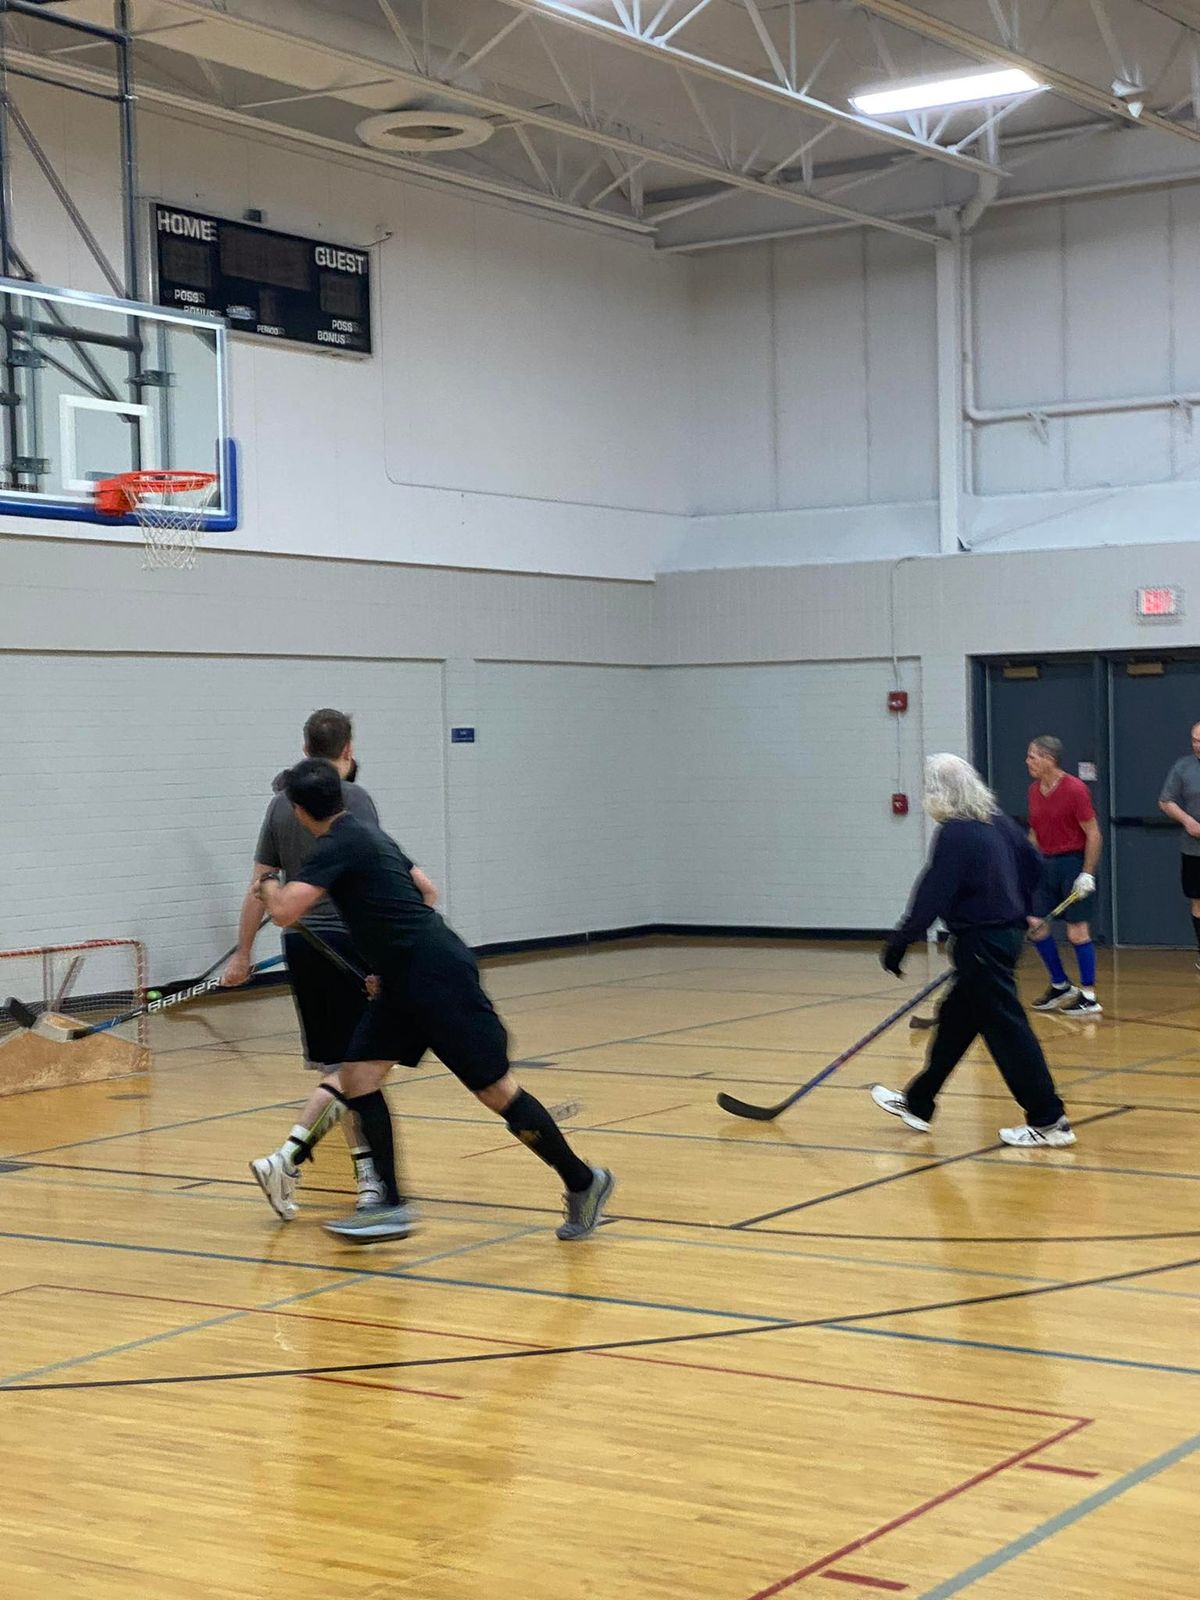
(1160, 602)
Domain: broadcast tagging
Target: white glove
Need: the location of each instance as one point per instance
(1084, 884)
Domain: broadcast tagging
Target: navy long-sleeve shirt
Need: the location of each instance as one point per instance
(979, 875)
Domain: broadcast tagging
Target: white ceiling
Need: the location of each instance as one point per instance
(687, 123)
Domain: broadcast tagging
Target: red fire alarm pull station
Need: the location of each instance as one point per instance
(899, 805)
(898, 700)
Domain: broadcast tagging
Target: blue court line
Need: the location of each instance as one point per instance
(1079, 1166)
(1064, 1519)
(650, 1238)
(399, 1273)
(191, 1122)
(234, 1316)
(1017, 1349)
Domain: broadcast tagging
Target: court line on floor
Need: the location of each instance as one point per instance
(675, 1222)
(1017, 1458)
(586, 1127)
(234, 1315)
(838, 1322)
(190, 1122)
(1023, 1350)
(1117, 1172)
(659, 1361)
(251, 1197)
(931, 1166)
(399, 1273)
(1063, 1520)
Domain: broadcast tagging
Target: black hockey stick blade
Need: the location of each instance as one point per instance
(742, 1108)
(46, 1025)
(24, 1016)
(922, 1022)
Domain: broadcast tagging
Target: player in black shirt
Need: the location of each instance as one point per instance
(980, 881)
(429, 998)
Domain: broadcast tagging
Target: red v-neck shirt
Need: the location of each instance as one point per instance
(1057, 818)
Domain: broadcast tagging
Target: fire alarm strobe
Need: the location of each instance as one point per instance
(899, 805)
(897, 700)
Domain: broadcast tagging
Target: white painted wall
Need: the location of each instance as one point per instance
(569, 832)
(815, 427)
(135, 787)
(521, 409)
(815, 375)
(775, 791)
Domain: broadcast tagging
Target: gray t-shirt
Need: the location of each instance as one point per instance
(1183, 788)
(284, 843)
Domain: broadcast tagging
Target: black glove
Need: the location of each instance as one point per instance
(892, 955)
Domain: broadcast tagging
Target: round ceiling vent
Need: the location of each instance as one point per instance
(422, 132)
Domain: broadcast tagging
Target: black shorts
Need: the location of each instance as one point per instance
(1189, 876)
(1057, 879)
(329, 1002)
(436, 1002)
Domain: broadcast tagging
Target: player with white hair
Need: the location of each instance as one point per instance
(980, 880)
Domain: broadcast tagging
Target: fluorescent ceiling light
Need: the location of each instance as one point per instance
(933, 92)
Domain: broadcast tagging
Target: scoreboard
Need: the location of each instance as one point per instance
(276, 285)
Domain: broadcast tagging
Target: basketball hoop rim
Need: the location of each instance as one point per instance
(119, 495)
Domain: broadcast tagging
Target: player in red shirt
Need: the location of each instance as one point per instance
(1063, 826)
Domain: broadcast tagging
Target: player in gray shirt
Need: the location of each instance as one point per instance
(329, 1002)
(1180, 800)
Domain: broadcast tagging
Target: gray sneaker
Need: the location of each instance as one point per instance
(373, 1224)
(583, 1212)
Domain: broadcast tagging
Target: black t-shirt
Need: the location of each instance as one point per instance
(369, 879)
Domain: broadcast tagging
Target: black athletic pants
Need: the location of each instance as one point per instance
(983, 1001)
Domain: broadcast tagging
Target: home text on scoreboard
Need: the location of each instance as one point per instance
(276, 285)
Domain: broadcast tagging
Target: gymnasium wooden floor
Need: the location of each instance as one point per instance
(823, 1357)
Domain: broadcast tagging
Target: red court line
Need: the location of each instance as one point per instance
(296, 1316)
(395, 1388)
(1067, 1472)
(603, 1355)
(868, 1583)
(590, 1127)
(926, 1506)
(850, 1388)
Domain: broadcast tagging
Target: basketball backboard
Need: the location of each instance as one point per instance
(93, 387)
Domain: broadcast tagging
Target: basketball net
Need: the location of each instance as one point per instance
(169, 507)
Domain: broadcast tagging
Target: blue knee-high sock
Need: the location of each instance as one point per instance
(1048, 951)
(1085, 954)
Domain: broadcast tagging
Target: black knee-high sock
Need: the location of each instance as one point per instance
(1196, 930)
(529, 1120)
(375, 1120)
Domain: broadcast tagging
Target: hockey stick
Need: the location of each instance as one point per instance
(328, 952)
(47, 1025)
(1041, 927)
(742, 1108)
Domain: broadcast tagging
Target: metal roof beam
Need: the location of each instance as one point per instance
(598, 28)
(580, 132)
(986, 50)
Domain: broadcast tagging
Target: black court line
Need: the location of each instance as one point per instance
(913, 1172)
(657, 1222)
(192, 1122)
(601, 1347)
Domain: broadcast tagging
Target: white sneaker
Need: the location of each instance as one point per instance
(277, 1178)
(1027, 1137)
(371, 1192)
(894, 1103)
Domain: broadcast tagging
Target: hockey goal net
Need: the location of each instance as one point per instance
(88, 983)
